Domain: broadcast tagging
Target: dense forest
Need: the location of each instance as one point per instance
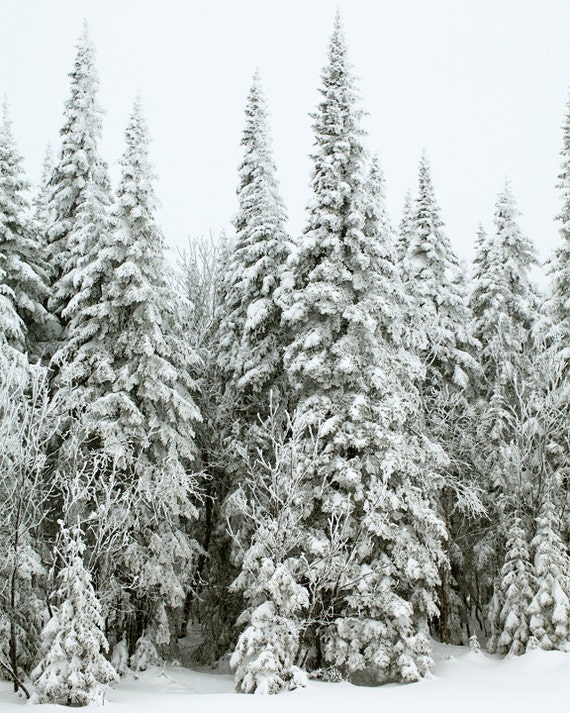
(317, 452)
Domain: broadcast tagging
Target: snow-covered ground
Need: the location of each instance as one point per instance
(462, 682)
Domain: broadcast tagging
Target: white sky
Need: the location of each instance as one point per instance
(481, 84)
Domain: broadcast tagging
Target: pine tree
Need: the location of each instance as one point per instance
(440, 335)
(560, 265)
(23, 271)
(434, 280)
(127, 378)
(352, 379)
(504, 303)
(406, 227)
(251, 340)
(73, 668)
(550, 606)
(514, 591)
(79, 179)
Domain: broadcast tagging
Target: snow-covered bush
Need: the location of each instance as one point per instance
(265, 654)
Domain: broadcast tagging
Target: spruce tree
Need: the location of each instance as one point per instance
(406, 227)
(73, 669)
(251, 339)
(24, 272)
(560, 264)
(550, 605)
(513, 594)
(127, 379)
(352, 380)
(557, 325)
(80, 177)
(504, 303)
(434, 280)
(440, 334)
(504, 300)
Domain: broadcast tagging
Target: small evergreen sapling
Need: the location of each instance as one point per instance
(550, 606)
(73, 669)
(513, 595)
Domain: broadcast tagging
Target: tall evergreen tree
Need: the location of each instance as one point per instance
(352, 380)
(504, 303)
(434, 281)
(251, 339)
(560, 265)
(127, 378)
(558, 328)
(21, 264)
(79, 182)
(441, 336)
(504, 300)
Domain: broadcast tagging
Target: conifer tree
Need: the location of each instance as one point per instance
(406, 227)
(250, 337)
(560, 265)
(73, 669)
(550, 605)
(440, 334)
(251, 340)
(127, 375)
(504, 301)
(351, 378)
(434, 281)
(504, 304)
(79, 177)
(514, 591)
(24, 277)
(42, 197)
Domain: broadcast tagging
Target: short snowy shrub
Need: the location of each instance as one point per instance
(265, 653)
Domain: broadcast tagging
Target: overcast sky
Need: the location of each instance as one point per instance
(481, 84)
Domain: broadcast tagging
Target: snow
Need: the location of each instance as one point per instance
(462, 680)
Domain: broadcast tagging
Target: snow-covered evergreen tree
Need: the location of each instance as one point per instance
(406, 227)
(73, 669)
(265, 515)
(251, 340)
(504, 304)
(434, 280)
(127, 378)
(504, 300)
(440, 334)
(560, 265)
(514, 591)
(24, 279)
(557, 324)
(550, 606)
(351, 379)
(42, 197)
(79, 177)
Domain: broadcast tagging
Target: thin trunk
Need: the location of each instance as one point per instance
(13, 591)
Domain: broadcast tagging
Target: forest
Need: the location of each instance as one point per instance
(321, 454)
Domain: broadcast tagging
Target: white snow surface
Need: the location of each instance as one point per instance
(461, 681)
